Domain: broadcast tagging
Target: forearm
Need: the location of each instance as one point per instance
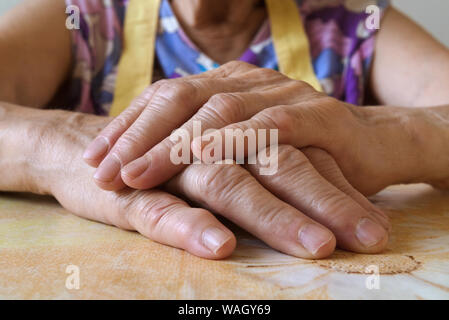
(35, 52)
(408, 71)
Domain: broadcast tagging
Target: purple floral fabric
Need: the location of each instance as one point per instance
(341, 47)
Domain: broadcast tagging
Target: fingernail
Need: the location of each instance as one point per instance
(96, 148)
(136, 168)
(214, 239)
(369, 233)
(108, 169)
(313, 237)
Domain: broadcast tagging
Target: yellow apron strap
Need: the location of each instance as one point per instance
(136, 64)
(135, 69)
(291, 42)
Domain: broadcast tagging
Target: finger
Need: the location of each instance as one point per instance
(325, 164)
(232, 192)
(299, 184)
(168, 220)
(297, 125)
(175, 101)
(100, 146)
(171, 105)
(158, 165)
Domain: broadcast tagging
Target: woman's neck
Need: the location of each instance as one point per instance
(222, 29)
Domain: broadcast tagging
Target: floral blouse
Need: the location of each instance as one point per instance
(341, 48)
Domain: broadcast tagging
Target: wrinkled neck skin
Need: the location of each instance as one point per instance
(222, 29)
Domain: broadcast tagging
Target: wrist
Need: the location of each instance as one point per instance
(19, 148)
(65, 136)
(436, 122)
(416, 140)
(398, 145)
(34, 147)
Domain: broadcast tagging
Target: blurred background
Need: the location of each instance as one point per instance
(432, 14)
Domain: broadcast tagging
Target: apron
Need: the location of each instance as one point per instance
(141, 23)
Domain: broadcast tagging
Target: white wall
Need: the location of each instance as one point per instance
(6, 4)
(432, 14)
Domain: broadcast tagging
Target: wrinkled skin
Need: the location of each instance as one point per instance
(305, 209)
(134, 149)
(304, 215)
(364, 141)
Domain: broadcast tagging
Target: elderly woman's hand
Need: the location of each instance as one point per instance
(165, 105)
(50, 162)
(374, 147)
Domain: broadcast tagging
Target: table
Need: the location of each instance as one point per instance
(45, 253)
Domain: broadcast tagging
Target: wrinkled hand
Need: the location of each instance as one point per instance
(300, 217)
(169, 103)
(374, 147)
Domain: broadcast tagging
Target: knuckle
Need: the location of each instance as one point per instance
(267, 74)
(141, 100)
(119, 123)
(327, 101)
(163, 82)
(287, 152)
(173, 91)
(219, 180)
(292, 163)
(301, 85)
(154, 214)
(187, 226)
(321, 160)
(300, 91)
(333, 207)
(314, 153)
(278, 118)
(236, 65)
(326, 200)
(328, 108)
(129, 146)
(126, 202)
(208, 182)
(225, 107)
(289, 155)
(127, 142)
(226, 100)
(273, 221)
